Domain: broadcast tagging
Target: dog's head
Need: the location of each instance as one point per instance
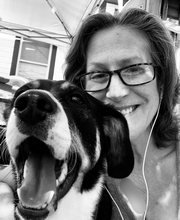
(59, 136)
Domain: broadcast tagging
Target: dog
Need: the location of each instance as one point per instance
(62, 142)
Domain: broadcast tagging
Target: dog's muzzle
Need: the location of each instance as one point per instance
(42, 178)
(33, 107)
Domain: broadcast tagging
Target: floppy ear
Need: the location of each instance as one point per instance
(120, 159)
(116, 143)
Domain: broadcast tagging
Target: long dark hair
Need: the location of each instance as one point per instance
(162, 53)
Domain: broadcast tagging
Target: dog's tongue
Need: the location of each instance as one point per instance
(39, 184)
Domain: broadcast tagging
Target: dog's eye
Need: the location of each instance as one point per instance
(77, 99)
(18, 93)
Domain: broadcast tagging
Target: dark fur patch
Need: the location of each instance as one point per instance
(37, 108)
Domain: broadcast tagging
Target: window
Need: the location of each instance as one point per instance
(34, 59)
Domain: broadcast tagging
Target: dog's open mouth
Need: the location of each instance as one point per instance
(43, 180)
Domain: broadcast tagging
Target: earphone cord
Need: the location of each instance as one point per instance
(119, 211)
(143, 164)
(143, 173)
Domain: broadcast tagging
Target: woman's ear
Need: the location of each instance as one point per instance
(120, 159)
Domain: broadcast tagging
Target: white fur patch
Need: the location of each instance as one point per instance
(76, 205)
(77, 146)
(58, 136)
(13, 136)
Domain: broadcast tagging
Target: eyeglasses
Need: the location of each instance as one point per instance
(133, 75)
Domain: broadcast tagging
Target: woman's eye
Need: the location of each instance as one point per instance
(134, 70)
(98, 76)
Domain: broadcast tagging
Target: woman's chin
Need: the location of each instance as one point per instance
(136, 126)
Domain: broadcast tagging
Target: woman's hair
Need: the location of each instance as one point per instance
(162, 54)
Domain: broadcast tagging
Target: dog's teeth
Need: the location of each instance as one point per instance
(25, 170)
(51, 194)
(42, 206)
(63, 174)
(57, 183)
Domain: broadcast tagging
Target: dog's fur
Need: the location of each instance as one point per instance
(62, 141)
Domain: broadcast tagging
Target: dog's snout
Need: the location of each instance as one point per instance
(34, 106)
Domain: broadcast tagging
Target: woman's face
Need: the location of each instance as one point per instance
(115, 48)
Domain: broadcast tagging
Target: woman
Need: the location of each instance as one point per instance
(128, 61)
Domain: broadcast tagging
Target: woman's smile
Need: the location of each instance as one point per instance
(128, 110)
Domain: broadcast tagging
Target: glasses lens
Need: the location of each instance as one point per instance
(95, 81)
(133, 75)
(139, 74)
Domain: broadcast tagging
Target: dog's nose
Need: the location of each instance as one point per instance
(34, 106)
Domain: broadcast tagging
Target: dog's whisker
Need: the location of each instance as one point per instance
(72, 157)
(4, 151)
(3, 130)
(74, 165)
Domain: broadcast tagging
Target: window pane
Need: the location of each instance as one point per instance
(32, 71)
(35, 51)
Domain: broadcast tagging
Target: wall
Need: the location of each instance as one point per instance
(60, 62)
(6, 52)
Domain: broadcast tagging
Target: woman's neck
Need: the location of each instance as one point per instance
(146, 142)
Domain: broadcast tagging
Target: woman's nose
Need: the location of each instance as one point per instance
(117, 89)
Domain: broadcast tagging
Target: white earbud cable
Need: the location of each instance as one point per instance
(144, 161)
(143, 173)
(120, 213)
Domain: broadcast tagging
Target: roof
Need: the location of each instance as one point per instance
(53, 21)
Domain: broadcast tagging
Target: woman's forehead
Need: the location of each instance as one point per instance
(118, 44)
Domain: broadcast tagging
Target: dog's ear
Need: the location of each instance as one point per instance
(116, 143)
(120, 159)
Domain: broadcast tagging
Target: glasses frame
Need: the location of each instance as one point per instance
(118, 72)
